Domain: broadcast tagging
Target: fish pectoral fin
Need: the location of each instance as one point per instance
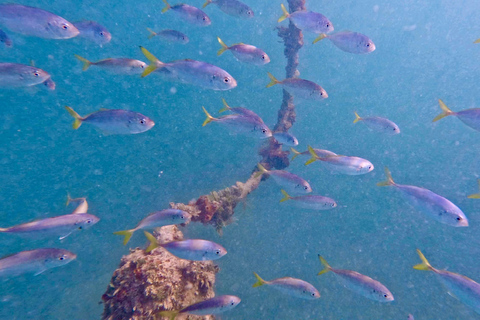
(40, 271)
(63, 237)
(452, 295)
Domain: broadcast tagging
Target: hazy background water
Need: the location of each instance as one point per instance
(425, 51)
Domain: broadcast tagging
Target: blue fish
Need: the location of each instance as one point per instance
(245, 53)
(379, 124)
(170, 35)
(308, 21)
(352, 42)
(14, 75)
(291, 286)
(470, 117)
(312, 202)
(213, 305)
(234, 8)
(287, 180)
(189, 14)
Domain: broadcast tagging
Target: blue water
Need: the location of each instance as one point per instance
(425, 51)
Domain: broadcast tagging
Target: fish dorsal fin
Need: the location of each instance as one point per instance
(238, 44)
(103, 109)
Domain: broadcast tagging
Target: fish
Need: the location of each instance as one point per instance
(15, 75)
(191, 249)
(157, 219)
(310, 201)
(352, 42)
(116, 65)
(475, 195)
(245, 53)
(35, 22)
(308, 21)
(213, 305)
(359, 283)
(352, 166)
(49, 84)
(189, 14)
(114, 121)
(82, 204)
(286, 139)
(319, 152)
(464, 289)
(428, 202)
(194, 72)
(379, 124)
(170, 35)
(34, 261)
(5, 39)
(233, 8)
(61, 226)
(287, 180)
(300, 88)
(243, 124)
(291, 286)
(470, 117)
(238, 110)
(93, 31)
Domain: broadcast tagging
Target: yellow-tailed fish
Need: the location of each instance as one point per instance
(234, 8)
(14, 75)
(428, 202)
(300, 89)
(213, 305)
(342, 164)
(286, 139)
(319, 152)
(287, 180)
(307, 21)
(245, 53)
(157, 219)
(116, 65)
(464, 289)
(312, 202)
(352, 42)
(291, 286)
(191, 249)
(359, 283)
(378, 124)
(93, 31)
(169, 35)
(188, 13)
(470, 117)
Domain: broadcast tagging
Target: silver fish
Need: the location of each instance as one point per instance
(114, 121)
(359, 283)
(286, 139)
(241, 123)
(35, 22)
(430, 203)
(312, 202)
(379, 124)
(213, 305)
(352, 166)
(300, 88)
(291, 286)
(93, 31)
(464, 289)
(319, 152)
(61, 226)
(14, 75)
(116, 65)
(234, 8)
(470, 117)
(189, 14)
(238, 110)
(5, 39)
(245, 53)
(287, 180)
(352, 42)
(170, 35)
(157, 219)
(194, 72)
(34, 261)
(308, 21)
(191, 249)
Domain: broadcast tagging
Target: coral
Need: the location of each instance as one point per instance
(145, 284)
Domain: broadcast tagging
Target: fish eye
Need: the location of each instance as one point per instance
(142, 121)
(327, 25)
(36, 74)
(321, 93)
(217, 252)
(232, 303)
(263, 57)
(458, 218)
(313, 294)
(204, 18)
(226, 80)
(101, 33)
(89, 221)
(264, 131)
(368, 44)
(305, 187)
(61, 258)
(249, 12)
(65, 27)
(385, 295)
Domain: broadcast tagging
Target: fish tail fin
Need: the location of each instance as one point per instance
(206, 3)
(68, 200)
(357, 117)
(126, 233)
(152, 33)
(325, 264)
(446, 111)
(475, 195)
(389, 181)
(227, 107)
(476, 41)
(260, 281)
(295, 152)
(209, 117)
(153, 241)
(286, 196)
(313, 154)
(320, 37)
(86, 63)
(223, 48)
(261, 171)
(78, 119)
(154, 62)
(284, 15)
(425, 265)
(273, 80)
(170, 314)
(167, 6)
